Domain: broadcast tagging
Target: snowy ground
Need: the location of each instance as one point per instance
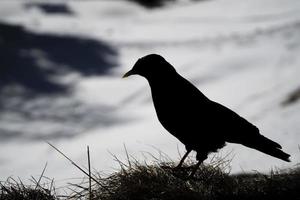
(243, 54)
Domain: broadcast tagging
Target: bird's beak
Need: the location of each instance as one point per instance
(129, 73)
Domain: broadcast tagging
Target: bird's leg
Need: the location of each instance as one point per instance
(200, 158)
(195, 169)
(183, 158)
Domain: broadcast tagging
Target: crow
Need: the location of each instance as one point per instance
(201, 124)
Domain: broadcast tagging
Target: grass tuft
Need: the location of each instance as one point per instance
(13, 189)
(162, 181)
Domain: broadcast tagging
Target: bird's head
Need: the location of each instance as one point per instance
(151, 66)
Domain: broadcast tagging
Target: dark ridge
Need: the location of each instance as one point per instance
(152, 3)
(51, 8)
(34, 61)
(292, 98)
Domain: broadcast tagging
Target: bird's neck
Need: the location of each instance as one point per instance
(163, 86)
(160, 82)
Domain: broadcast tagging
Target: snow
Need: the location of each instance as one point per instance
(243, 54)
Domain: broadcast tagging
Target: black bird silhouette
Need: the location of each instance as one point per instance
(200, 124)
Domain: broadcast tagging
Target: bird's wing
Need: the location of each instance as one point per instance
(234, 128)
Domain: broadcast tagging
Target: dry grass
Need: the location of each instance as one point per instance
(161, 181)
(12, 189)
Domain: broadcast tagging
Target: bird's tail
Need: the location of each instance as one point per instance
(269, 147)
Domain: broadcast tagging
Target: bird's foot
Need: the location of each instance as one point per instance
(195, 168)
(177, 171)
(182, 171)
(167, 167)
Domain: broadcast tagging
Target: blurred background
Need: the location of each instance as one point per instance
(62, 61)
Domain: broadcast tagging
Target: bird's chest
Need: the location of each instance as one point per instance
(171, 108)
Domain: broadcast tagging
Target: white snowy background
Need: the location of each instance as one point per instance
(243, 54)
